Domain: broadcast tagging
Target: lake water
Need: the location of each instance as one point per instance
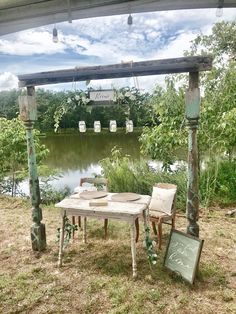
(77, 155)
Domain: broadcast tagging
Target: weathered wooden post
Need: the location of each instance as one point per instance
(28, 114)
(192, 115)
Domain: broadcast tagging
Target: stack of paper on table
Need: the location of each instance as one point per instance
(98, 202)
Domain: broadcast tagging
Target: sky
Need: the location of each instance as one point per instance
(104, 40)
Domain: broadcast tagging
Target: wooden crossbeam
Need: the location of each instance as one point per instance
(143, 68)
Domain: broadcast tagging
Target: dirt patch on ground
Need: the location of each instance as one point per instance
(97, 277)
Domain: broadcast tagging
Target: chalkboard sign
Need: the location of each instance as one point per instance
(183, 254)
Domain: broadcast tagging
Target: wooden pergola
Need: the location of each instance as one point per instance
(192, 65)
(17, 15)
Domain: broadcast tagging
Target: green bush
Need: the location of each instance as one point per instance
(218, 182)
(217, 179)
(49, 195)
(13, 154)
(126, 175)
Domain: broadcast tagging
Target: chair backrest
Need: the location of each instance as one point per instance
(166, 186)
(169, 186)
(100, 182)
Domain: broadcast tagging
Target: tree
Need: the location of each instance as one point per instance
(64, 109)
(217, 120)
(219, 102)
(221, 42)
(9, 107)
(216, 136)
(13, 153)
(218, 114)
(130, 103)
(163, 140)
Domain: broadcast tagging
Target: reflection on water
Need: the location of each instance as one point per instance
(77, 155)
(70, 152)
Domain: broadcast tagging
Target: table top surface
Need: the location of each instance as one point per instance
(75, 205)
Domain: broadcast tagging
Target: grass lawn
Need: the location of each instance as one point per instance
(97, 277)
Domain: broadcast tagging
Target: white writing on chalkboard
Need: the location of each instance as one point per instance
(175, 257)
(183, 249)
(183, 254)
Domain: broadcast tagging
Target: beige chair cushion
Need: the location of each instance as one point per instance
(162, 200)
(158, 215)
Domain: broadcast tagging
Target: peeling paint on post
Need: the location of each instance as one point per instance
(28, 114)
(192, 115)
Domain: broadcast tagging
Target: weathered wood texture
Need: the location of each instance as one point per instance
(28, 108)
(38, 234)
(16, 15)
(115, 210)
(126, 211)
(152, 67)
(144, 199)
(192, 114)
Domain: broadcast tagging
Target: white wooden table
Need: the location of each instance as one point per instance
(125, 211)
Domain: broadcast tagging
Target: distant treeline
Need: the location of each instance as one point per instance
(73, 106)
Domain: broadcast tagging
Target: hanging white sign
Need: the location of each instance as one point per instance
(102, 95)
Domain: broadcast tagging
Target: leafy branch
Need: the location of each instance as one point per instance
(69, 229)
(149, 244)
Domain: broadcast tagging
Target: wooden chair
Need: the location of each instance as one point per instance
(100, 184)
(159, 216)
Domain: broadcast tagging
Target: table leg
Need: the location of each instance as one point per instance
(61, 244)
(133, 249)
(85, 230)
(145, 219)
(137, 229)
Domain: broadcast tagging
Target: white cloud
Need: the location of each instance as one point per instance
(8, 81)
(176, 47)
(30, 42)
(108, 40)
